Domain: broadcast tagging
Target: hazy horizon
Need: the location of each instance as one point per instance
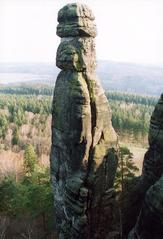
(124, 77)
(128, 31)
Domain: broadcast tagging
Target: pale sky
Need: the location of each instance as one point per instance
(128, 30)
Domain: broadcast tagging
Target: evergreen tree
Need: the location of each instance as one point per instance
(126, 168)
(15, 138)
(3, 126)
(30, 159)
(31, 197)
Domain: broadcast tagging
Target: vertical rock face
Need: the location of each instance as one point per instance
(153, 161)
(84, 143)
(146, 198)
(150, 221)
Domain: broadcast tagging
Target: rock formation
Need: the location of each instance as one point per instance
(84, 143)
(150, 221)
(146, 197)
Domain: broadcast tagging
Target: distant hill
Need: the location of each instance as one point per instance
(114, 76)
(131, 77)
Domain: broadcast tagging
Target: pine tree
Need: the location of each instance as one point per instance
(3, 126)
(126, 168)
(30, 159)
(15, 138)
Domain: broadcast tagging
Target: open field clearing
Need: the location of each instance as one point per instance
(138, 154)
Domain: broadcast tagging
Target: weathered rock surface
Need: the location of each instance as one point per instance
(137, 200)
(84, 143)
(150, 221)
(76, 20)
(156, 126)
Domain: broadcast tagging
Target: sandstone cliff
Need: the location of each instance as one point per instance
(84, 147)
(84, 143)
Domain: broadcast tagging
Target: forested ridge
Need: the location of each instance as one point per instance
(27, 90)
(130, 113)
(48, 90)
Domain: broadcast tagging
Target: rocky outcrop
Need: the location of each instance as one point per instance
(152, 171)
(84, 143)
(150, 221)
(153, 161)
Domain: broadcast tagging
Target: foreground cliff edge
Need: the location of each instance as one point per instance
(84, 143)
(143, 207)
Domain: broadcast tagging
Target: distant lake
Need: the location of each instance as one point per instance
(6, 78)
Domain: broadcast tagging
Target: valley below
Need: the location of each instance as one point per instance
(26, 206)
(25, 118)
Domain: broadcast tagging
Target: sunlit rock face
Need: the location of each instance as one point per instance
(84, 143)
(76, 20)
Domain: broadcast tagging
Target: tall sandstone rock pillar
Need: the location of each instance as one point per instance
(84, 143)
